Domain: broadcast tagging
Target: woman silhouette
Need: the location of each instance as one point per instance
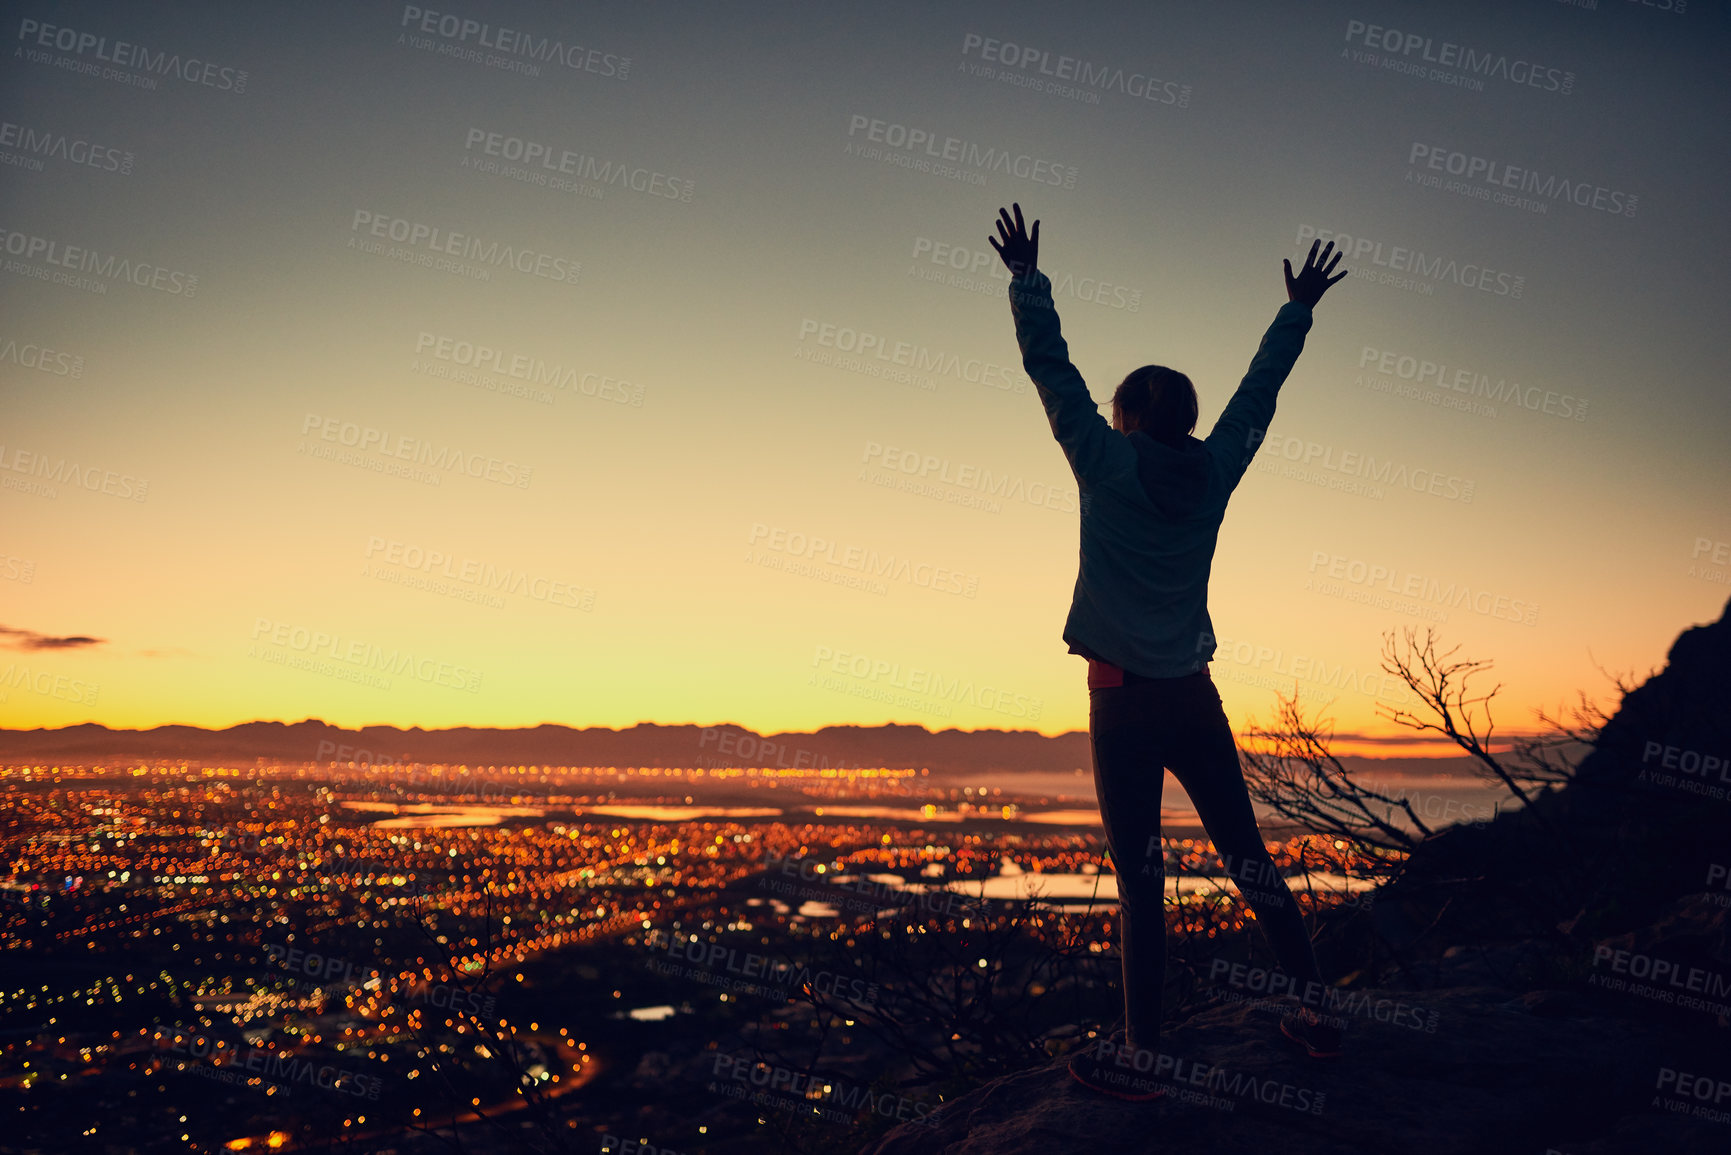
(1152, 500)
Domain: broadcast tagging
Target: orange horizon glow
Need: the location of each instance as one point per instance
(1402, 745)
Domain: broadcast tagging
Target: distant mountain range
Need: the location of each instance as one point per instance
(646, 744)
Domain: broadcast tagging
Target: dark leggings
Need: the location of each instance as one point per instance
(1138, 730)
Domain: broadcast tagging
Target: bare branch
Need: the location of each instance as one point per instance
(1300, 778)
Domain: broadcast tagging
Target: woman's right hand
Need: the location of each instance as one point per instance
(1020, 252)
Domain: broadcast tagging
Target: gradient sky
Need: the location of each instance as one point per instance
(654, 514)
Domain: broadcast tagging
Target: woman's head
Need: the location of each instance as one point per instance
(1161, 402)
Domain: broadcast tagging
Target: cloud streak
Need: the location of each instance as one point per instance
(16, 639)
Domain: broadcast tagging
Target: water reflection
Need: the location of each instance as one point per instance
(1080, 890)
(425, 814)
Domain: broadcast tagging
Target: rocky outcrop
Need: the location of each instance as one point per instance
(1645, 823)
(1570, 967)
(1499, 1073)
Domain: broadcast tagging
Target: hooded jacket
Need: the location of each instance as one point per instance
(1151, 511)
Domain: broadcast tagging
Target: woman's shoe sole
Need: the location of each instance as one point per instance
(1129, 1096)
(1310, 1050)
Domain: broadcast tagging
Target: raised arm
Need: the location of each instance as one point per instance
(1244, 423)
(1093, 448)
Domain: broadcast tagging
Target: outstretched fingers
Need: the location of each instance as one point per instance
(1316, 262)
(1013, 242)
(1327, 266)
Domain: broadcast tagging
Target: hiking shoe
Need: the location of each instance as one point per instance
(1112, 1067)
(1320, 1039)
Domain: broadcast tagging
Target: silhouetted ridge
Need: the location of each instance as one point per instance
(646, 744)
(1507, 933)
